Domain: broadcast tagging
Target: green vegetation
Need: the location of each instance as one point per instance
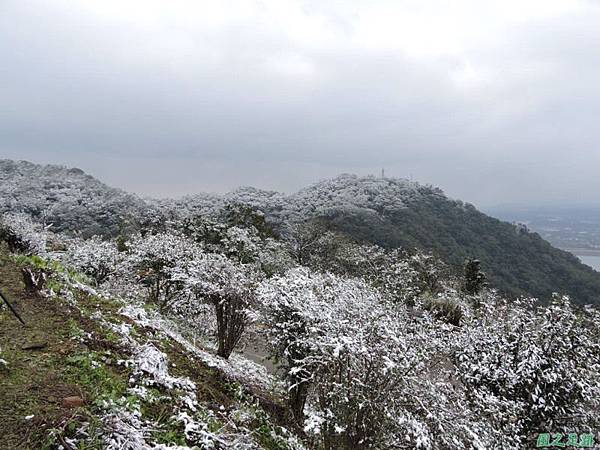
(474, 277)
(35, 381)
(90, 371)
(515, 261)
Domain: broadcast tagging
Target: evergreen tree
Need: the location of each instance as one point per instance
(474, 277)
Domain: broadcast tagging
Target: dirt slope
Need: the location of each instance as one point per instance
(79, 352)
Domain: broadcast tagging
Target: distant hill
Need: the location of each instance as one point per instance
(389, 212)
(517, 262)
(401, 213)
(68, 199)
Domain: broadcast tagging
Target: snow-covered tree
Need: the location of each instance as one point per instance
(474, 277)
(227, 285)
(68, 199)
(22, 234)
(372, 374)
(95, 257)
(151, 259)
(244, 215)
(205, 231)
(400, 275)
(292, 306)
(312, 244)
(311, 317)
(243, 244)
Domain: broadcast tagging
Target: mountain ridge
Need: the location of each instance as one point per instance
(389, 212)
(67, 198)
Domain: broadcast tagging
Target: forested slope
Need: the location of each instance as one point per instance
(66, 198)
(400, 213)
(139, 343)
(385, 211)
(516, 261)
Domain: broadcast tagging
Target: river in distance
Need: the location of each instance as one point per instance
(591, 260)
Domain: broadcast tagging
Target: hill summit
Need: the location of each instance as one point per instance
(394, 213)
(66, 198)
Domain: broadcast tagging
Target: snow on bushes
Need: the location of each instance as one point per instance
(151, 259)
(385, 353)
(236, 366)
(22, 235)
(94, 257)
(370, 375)
(532, 368)
(227, 285)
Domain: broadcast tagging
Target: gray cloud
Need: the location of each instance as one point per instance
(495, 103)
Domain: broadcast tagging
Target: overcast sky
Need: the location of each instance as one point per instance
(494, 101)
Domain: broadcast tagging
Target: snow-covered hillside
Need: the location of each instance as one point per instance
(71, 200)
(346, 193)
(393, 213)
(68, 199)
(373, 348)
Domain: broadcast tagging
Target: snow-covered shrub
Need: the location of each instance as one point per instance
(374, 376)
(529, 369)
(445, 307)
(151, 259)
(274, 257)
(401, 276)
(227, 285)
(22, 234)
(241, 244)
(244, 244)
(313, 318)
(204, 231)
(359, 380)
(313, 244)
(97, 258)
(474, 278)
(245, 215)
(294, 306)
(247, 246)
(369, 371)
